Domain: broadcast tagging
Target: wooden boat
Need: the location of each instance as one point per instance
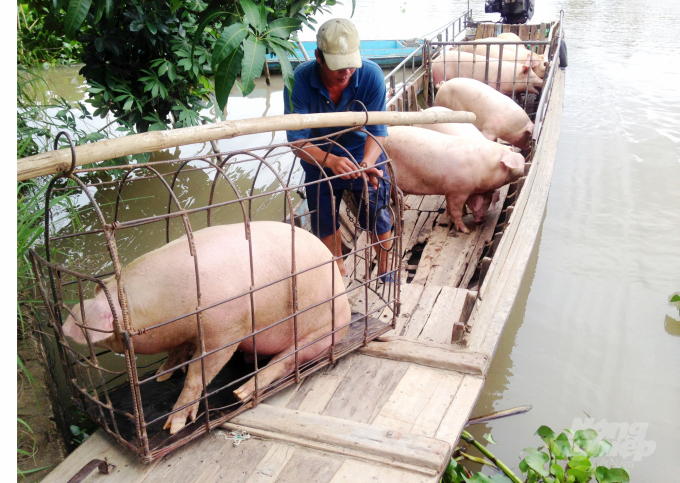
(394, 410)
(385, 53)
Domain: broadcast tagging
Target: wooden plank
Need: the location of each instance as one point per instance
(316, 399)
(283, 397)
(454, 257)
(100, 446)
(211, 458)
(410, 296)
(421, 313)
(458, 413)
(388, 390)
(417, 451)
(523, 32)
(368, 377)
(353, 471)
(420, 400)
(446, 311)
(270, 467)
(434, 245)
(430, 418)
(490, 222)
(441, 356)
(432, 203)
(310, 466)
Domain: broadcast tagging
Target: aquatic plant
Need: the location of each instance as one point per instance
(565, 458)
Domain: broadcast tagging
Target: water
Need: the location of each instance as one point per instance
(591, 334)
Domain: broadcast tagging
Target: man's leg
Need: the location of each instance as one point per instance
(382, 250)
(320, 203)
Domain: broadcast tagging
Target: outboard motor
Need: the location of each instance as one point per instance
(512, 11)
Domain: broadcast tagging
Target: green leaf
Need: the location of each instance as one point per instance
(109, 8)
(557, 471)
(454, 473)
(489, 438)
(152, 28)
(256, 15)
(479, 478)
(546, 434)
(206, 17)
(586, 440)
(286, 70)
(354, 4)
(99, 44)
(580, 462)
(99, 11)
(675, 298)
(283, 27)
(229, 40)
(75, 14)
(582, 476)
(254, 53)
(225, 76)
(536, 460)
(615, 475)
(128, 104)
(136, 26)
(561, 447)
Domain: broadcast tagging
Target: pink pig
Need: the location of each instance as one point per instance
(430, 163)
(474, 67)
(497, 115)
(161, 286)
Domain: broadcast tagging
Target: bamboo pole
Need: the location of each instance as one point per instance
(58, 160)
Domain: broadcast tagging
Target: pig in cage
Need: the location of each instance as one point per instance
(154, 274)
(506, 63)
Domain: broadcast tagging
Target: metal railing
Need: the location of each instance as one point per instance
(453, 28)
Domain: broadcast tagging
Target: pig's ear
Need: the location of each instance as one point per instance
(526, 67)
(475, 202)
(513, 161)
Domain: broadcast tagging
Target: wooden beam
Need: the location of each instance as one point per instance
(58, 160)
(335, 435)
(430, 354)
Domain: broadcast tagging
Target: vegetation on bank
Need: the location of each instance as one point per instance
(563, 458)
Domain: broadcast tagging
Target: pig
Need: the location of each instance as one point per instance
(511, 53)
(497, 115)
(540, 68)
(464, 129)
(430, 163)
(474, 67)
(161, 286)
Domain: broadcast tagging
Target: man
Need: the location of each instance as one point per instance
(330, 83)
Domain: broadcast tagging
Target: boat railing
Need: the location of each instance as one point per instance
(548, 82)
(451, 30)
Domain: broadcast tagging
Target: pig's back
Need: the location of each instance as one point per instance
(162, 283)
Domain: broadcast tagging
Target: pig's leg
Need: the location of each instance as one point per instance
(454, 207)
(176, 356)
(280, 365)
(193, 387)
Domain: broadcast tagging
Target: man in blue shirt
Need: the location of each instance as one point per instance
(331, 83)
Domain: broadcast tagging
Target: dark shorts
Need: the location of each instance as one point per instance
(379, 216)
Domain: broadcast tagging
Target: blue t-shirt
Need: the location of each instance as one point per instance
(310, 96)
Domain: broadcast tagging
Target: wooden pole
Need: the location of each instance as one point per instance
(53, 162)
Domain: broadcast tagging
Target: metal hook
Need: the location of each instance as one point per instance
(73, 151)
(363, 107)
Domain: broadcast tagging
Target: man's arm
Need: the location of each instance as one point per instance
(340, 165)
(372, 152)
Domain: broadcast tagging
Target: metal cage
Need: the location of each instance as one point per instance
(123, 395)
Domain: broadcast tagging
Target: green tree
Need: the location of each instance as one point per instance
(148, 62)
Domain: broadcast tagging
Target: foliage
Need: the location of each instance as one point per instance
(40, 35)
(147, 61)
(674, 300)
(564, 458)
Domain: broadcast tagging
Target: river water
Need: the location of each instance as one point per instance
(591, 340)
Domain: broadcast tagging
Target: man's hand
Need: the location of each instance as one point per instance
(341, 165)
(373, 174)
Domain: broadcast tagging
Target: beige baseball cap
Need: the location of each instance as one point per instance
(338, 39)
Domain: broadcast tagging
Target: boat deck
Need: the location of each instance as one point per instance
(393, 410)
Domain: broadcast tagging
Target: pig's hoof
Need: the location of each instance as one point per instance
(178, 420)
(243, 393)
(462, 228)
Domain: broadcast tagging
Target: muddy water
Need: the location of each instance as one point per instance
(591, 334)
